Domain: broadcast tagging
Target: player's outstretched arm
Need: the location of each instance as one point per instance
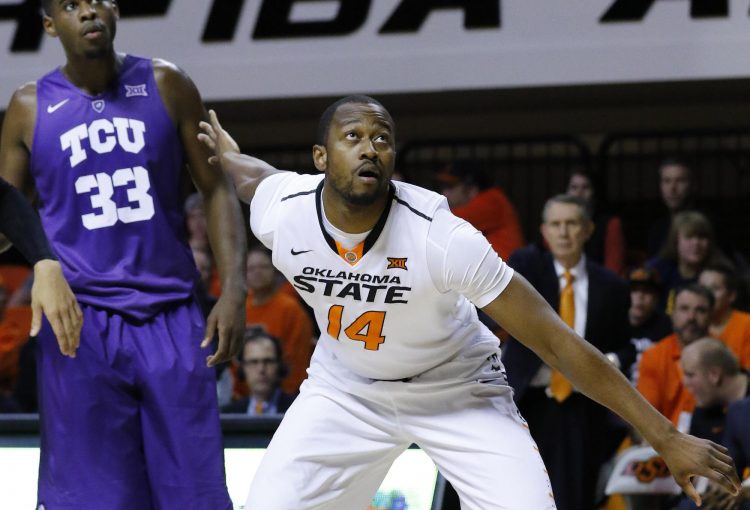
(246, 171)
(226, 230)
(521, 311)
(50, 294)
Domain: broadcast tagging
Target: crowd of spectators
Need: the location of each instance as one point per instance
(680, 333)
(674, 323)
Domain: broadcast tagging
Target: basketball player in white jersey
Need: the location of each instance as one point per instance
(394, 278)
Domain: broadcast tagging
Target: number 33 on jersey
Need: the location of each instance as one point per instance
(103, 136)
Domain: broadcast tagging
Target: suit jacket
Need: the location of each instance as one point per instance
(607, 324)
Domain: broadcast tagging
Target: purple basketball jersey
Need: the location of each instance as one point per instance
(107, 170)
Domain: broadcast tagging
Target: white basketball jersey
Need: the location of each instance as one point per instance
(397, 306)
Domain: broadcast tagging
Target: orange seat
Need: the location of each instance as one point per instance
(13, 276)
(19, 317)
(14, 332)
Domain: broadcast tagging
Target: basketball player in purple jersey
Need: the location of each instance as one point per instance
(132, 422)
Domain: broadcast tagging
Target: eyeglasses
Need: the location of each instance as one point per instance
(259, 361)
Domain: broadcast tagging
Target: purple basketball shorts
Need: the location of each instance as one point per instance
(132, 422)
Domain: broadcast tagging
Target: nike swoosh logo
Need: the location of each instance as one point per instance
(299, 252)
(54, 107)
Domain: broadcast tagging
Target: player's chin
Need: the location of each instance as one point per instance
(362, 198)
(368, 195)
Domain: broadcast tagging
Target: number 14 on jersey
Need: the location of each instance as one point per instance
(367, 328)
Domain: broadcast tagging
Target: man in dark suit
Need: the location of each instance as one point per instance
(263, 368)
(574, 434)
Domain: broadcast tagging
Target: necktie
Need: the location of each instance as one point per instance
(559, 387)
(259, 408)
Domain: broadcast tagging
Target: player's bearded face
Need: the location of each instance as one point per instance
(359, 155)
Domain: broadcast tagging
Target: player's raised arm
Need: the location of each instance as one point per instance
(246, 171)
(226, 231)
(591, 373)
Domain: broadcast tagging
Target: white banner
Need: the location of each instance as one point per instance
(257, 49)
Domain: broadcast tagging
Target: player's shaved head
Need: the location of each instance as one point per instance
(325, 120)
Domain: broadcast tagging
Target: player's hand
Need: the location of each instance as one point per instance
(687, 456)
(51, 296)
(716, 497)
(228, 318)
(217, 139)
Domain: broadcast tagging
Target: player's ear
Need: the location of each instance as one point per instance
(116, 9)
(49, 25)
(320, 157)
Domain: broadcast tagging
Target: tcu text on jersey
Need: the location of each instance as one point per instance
(103, 136)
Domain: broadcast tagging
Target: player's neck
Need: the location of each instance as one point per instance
(352, 218)
(93, 75)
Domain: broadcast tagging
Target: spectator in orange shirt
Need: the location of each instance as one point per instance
(280, 315)
(727, 324)
(606, 246)
(659, 374)
(472, 198)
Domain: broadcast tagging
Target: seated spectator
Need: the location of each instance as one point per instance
(472, 197)
(648, 323)
(675, 187)
(263, 369)
(689, 248)
(727, 324)
(712, 374)
(279, 314)
(659, 372)
(607, 244)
